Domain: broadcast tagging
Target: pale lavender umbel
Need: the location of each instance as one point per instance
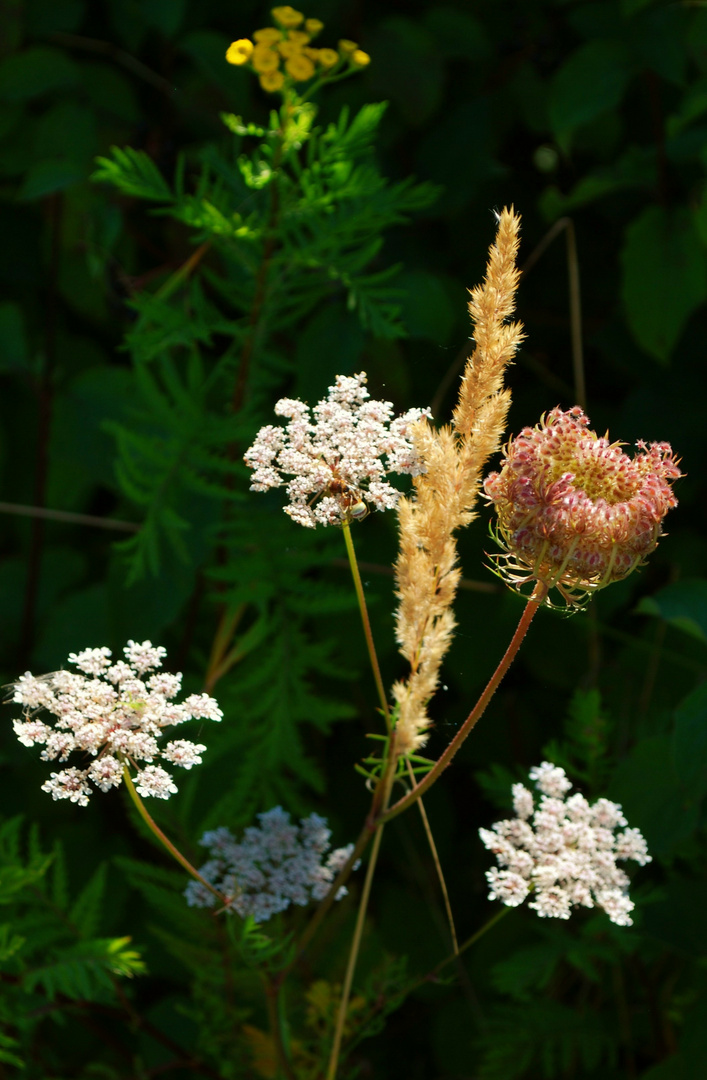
(277, 863)
(563, 852)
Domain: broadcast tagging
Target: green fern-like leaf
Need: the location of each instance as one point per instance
(134, 173)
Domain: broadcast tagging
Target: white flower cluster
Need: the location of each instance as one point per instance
(566, 855)
(338, 458)
(113, 714)
(276, 864)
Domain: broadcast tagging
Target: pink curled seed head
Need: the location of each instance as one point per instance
(573, 510)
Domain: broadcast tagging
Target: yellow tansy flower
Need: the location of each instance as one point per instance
(287, 16)
(298, 36)
(239, 52)
(347, 46)
(265, 59)
(268, 36)
(272, 80)
(360, 58)
(328, 57)
(313, 26)
(289, 48)
(313, 54)
(300, 68)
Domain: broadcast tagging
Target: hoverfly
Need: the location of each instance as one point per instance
(349, 498)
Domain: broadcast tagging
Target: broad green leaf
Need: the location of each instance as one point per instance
(426, 308)
(590, 83)
(664, 277)
(653, 799)
(35, 71)
(690, 742)
(45, 177)
(682, 604)
(412, 74)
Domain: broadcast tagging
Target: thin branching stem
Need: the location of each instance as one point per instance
(436, 860)
(358, 585)
(164, 840)
(531, 607)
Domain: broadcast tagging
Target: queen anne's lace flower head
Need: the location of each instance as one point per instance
(276, 864)
(574, 511)
(563, 853)
(114, 713)
(336, 461)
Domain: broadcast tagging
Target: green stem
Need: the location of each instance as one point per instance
(384, 786)
(432, 975)
(154, 828)
(272, 991)
(358, 585)
(436, 771)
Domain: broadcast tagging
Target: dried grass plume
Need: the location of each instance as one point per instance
(445, 495)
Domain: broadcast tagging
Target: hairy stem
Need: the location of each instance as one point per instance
(156, 830)
(358, 585)
(436, 771)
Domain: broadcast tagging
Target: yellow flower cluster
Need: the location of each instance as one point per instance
(283, 54)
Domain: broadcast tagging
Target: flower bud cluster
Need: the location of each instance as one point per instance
(336, 461)
(113, 713)
(276, 864)
(283, 54)
(573, 510)
(564, 852)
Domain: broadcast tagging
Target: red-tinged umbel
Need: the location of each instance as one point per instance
(574, 511)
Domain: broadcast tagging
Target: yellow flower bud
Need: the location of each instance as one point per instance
(360, 58)
(298, 36)
(289, 48)
(313, 26)
(272, 80)
(287, 16)
(300, 67)
(347, 46)
(239, 52)
(268, 36)
(313, 54)
(265, 59)
(328, 57)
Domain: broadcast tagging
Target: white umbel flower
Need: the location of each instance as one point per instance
(112, 714)
(564, 852)
(336, 462)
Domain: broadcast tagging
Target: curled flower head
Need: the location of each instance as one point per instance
(239, 52)
(277, 863)
(563, 852)
(113, 713)
(336, 461)
(573, 510)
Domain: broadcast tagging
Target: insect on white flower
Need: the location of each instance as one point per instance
(335, 462)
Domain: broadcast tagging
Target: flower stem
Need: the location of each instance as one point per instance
(438, 864)
(432, 975)
(346, 528)
(384, 787)
(272, 992)
(531, 607)
(154, 828)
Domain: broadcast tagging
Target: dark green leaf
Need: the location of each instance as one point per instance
(35, 71)
(590, 83)
(664, 277)
(690, 742)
